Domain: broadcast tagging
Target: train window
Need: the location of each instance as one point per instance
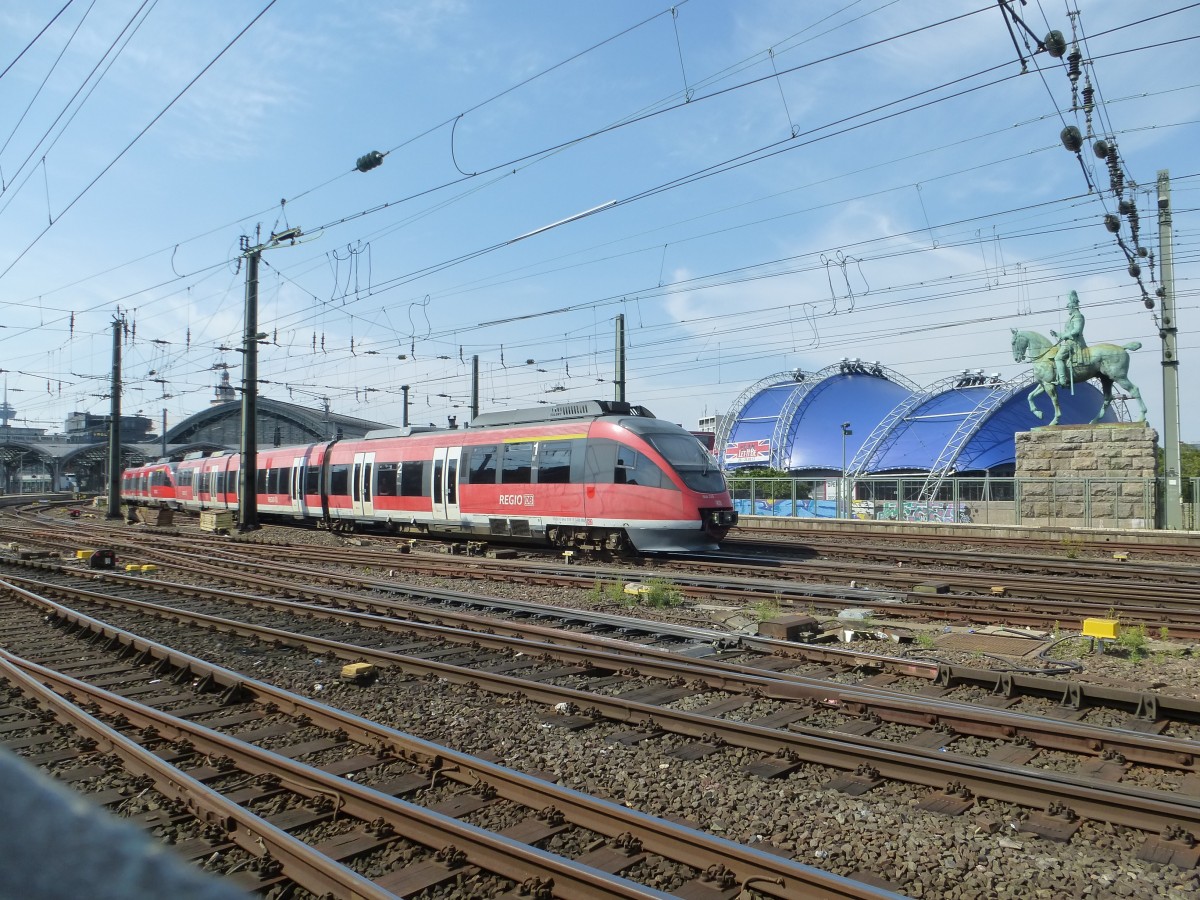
(366, 483)
(437, 481)
(680, 449)
(452, 480)
(599, 461)
(183, 478)
(218, 479)
(285, 480)
(638, 469)
(312, 480)
(260, 481)
(385, 479)
(518, 463)
(479, 464)
(554, 462)
(355, 483)
(414, 478)
(202, 483)
(339, 480)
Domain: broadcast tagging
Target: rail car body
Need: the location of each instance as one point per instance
(600, 474)
(150, 485)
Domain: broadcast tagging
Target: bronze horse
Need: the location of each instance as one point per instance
(1108, 362)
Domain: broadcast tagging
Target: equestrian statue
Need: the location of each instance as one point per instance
(1069, 359)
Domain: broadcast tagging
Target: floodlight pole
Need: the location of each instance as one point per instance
(1172, 463)
(247, 519)
(619, 360)
(842, 504)
(474, 388)
(114, 425)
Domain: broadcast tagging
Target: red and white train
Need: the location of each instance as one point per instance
(596, 474)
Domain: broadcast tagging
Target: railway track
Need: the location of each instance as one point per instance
(368, 795)
(779, 703)
(852, 537)
(857, 706)
(1166, 604)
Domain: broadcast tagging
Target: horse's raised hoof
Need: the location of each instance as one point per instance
(1038, 414)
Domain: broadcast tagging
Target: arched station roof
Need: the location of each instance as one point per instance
(963, 423)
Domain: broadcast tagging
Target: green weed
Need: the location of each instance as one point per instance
(1133, 641)
(925, 640)
(662, 593)
(765, 610)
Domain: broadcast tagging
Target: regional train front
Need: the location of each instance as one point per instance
(689, 508)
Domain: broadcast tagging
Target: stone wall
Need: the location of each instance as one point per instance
(1075, 475)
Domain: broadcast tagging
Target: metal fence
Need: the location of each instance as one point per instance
(1079, 502)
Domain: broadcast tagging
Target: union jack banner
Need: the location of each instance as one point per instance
(749, 451)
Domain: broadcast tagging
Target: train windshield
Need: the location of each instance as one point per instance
(690, 459)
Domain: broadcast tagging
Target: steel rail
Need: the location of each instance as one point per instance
(1119, 804)
(891, 706)
(773, 875)
(301, 863)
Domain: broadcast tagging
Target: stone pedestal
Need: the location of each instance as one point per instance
(1097, 476)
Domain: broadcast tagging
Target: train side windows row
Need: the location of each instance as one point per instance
(408, 479)
(391, 479)
(615, 463)
(524, 462)
(271, 481)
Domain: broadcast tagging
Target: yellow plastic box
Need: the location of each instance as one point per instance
(1102, 629)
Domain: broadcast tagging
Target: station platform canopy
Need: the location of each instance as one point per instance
(865, 419)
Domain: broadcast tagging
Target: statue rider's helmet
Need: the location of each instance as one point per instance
(1073, 301)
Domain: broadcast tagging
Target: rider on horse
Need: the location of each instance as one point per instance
(1070, 343)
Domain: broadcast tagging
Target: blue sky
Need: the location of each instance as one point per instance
(777, 185)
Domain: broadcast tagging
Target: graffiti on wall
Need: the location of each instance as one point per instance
(881, 510)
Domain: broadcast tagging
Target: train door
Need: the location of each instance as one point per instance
(445, 482)
(360, 484)
(296, 488)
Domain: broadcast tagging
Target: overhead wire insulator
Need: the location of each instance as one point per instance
(1074, 61)
(1100, 148)
(1089, 104)
(1056, 44)
(1112, 223)
(369, 161)
(1071, 138)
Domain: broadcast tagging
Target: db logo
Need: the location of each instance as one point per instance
(516, 499)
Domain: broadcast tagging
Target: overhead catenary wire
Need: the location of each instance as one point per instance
(369, 313)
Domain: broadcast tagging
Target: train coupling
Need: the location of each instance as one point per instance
(721, 518)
